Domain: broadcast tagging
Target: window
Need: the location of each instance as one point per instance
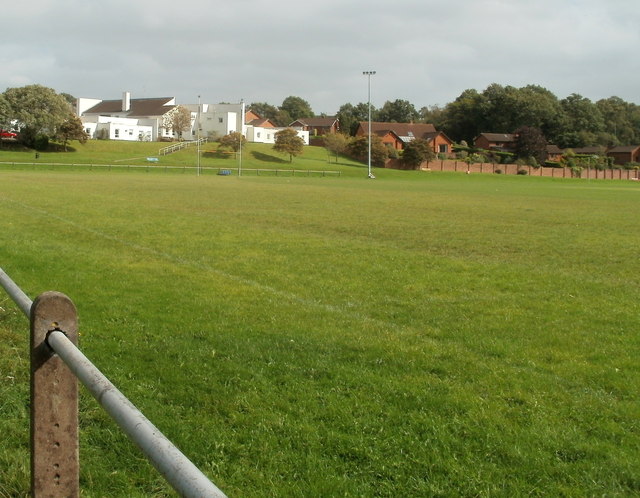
(116, 133)
(443, 148)
(220, 120)
(258, 134)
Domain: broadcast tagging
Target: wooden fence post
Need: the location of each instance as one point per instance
(54, 401)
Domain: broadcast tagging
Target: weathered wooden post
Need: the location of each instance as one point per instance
(54, 401)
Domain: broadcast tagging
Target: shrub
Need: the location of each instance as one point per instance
(522, 171)
(498, 171)
(41, 142)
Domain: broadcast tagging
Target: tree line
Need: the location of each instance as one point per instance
(571, 122)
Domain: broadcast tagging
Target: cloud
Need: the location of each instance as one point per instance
(424, 51)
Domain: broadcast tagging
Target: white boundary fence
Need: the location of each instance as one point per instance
(56, 365)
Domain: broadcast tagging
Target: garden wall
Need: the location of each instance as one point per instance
(512, 169)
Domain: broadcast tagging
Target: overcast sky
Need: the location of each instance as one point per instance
(423, 51)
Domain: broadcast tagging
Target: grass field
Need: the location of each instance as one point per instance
(415, 335)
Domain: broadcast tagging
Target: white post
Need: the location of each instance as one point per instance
(368, 74)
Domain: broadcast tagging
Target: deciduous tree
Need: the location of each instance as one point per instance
(398, 111)
(297, 108)
(179, 121)
(233, 141)
(531, 143)
(350, 116)
(71, 129)
(287, 141)
(38, 110)
(416, 152)
(264, 110)
(335, 143)
(359, 149)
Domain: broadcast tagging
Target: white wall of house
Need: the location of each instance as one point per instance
(114, 128)
(217, 119)
(268, 135)
(82, 104)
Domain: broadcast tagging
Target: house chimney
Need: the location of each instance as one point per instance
(126, 101)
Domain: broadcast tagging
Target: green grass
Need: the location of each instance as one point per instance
(100, 153)
(416, 335)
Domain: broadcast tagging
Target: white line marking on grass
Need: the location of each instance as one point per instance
(200, 266)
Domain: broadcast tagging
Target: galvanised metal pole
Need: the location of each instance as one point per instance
(369, 74)
(176, 468)
(15, 293)
(198, 137)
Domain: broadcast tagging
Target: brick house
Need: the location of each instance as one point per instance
(624, 154)
(396, 135)
(317, 126)
(505, 142)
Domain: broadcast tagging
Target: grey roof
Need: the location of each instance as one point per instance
(139, 107)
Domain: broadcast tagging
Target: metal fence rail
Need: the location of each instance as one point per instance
(49, 315)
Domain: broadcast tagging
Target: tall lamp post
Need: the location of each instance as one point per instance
(198, 136)
(368, 74)
(240, 136)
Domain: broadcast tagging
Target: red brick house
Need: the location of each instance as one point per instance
(317, 126)
(554, 153)
(624, 154)
(496, 141)
(397, 135)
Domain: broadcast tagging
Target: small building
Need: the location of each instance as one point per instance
(317, 126)
(554, 153)
(625, 154)
(502, 142)
(397, 135)
(127, 118)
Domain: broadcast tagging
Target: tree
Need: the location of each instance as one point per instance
(622, 120)
(71, 129)
(264, 110)
(287, 141)
(359, 148)
(297, 108)
(335, 143)
(350, 116)
(38, 110)
(416, 152)
(234, 141)
(464, 116)
(178, 121)
(530, 143)
(433, 114)
(398, 111)
(5, 114)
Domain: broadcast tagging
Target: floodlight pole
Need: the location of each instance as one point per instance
(198, 136)
(240, 137)
(368, 74)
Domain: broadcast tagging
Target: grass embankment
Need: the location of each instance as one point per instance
(122, 154)
(439, 335)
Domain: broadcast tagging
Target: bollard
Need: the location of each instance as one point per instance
(54, 401)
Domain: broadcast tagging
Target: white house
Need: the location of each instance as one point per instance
(127, 119)
(148, 119)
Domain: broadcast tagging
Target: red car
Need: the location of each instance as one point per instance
(8, 134)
